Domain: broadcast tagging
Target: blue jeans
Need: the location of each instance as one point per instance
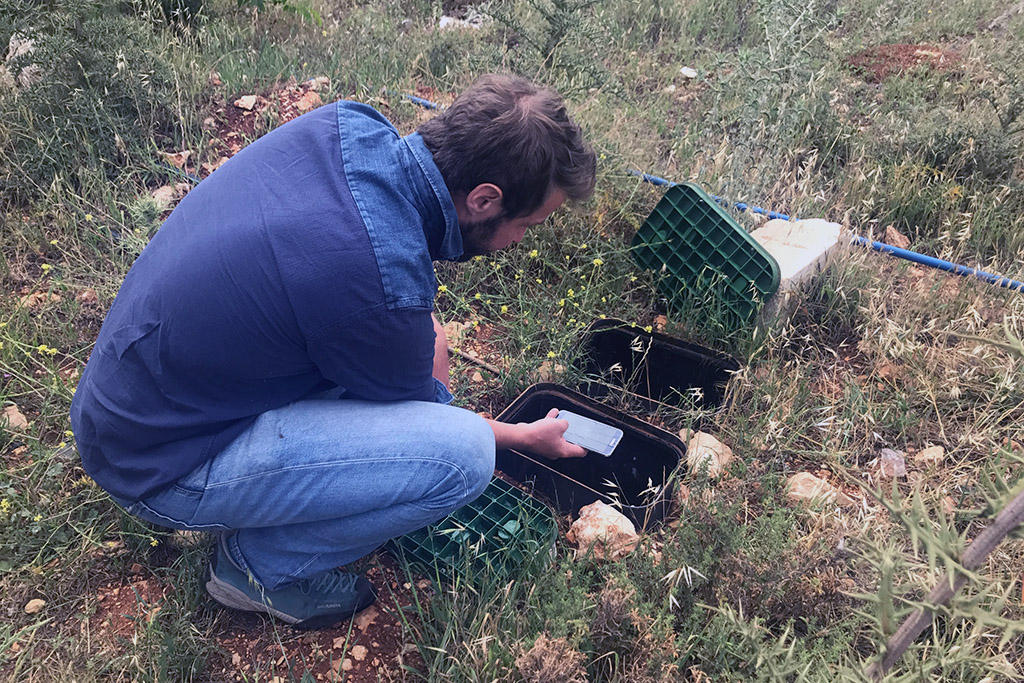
(322, 482)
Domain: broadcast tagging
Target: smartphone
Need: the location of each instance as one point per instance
(590, 434)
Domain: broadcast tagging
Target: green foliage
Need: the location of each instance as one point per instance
(103, 99)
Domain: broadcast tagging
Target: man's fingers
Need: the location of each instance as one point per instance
(552, 413)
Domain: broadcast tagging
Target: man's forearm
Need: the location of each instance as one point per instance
(508, 435)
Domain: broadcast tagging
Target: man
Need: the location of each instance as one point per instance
(271, 368)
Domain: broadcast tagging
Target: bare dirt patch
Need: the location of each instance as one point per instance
(373, 647)
(877, 64)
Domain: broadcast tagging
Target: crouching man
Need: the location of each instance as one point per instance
(271, 369)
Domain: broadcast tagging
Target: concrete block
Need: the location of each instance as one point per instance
(803, 249)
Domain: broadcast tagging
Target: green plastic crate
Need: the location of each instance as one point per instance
(501, 530)
(700, 249)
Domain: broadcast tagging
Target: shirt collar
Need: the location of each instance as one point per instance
(443, 230)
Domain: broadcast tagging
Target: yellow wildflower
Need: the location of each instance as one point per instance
(442, 288)
(571, 292)
(46, 267)
(648, 329)
(153, 542)
(88, 216)
(561, 302)
(477, 296)
(504, 308)
(53, 242)
(598, 261)
(37, 518)
(551, 354)
(534, 253)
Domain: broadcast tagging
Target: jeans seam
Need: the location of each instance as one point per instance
(189, 526)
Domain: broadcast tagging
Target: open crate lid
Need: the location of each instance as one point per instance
(701, 249)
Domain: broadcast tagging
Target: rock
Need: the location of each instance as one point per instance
(669, 89)
(476, 377)
(603, 531)
(7, 81)
(177, 159)
(308, 102)
(165, 195)
(318, 82)
(931, 456)
(17, 47)
(87, 297)
(688, 72)
(34, 605)
(36, 299)
(358, 652)
(896, 238)
(805, 487)
(236, 659)
(346, 664)
(214, 79)
(892, 464)
(549, 371)
(704, 450)
(660, 322)
(366, 618)
(13, 419)
(246, 102)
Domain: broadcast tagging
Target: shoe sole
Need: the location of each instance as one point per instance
(229, 596)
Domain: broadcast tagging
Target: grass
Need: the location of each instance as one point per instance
(878, 353)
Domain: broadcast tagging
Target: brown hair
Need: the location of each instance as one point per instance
(507, 131)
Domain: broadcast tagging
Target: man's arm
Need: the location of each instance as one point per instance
(543, 437)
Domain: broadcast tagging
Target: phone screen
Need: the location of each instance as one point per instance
(590, 434)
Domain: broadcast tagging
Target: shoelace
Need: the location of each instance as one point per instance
(329, 582)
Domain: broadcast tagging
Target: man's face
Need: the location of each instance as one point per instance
(491, 234)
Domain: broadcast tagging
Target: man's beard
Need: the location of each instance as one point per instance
(476, 236)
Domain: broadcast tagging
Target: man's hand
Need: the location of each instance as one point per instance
(544, 437)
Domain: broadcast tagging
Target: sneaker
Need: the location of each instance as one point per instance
(317, 602)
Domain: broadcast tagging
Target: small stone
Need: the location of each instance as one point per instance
(87, 297)
(13, 418)
(931, 456)
(603, 531)
(896, 238)
(346, 664)
(177, 159)
(308, 102)
(318, 82)
(423, 584)
(136, 568)
(705, 451)
(948, 505)
(549, 371)
(477, 377)
(236, 659)
(209, 123)
(165, 195)
(688, 72)
(366, 617)
(806, 487)
(214, 79)
(660, 322)
(358, 652)
(892, 464)
(246, 102)
(39, 299)
(669, 89)
(34, 605)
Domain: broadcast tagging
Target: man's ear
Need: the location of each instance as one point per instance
(484, 202)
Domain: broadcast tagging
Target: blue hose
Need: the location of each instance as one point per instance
(923, 259)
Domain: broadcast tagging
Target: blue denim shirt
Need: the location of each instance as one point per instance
(302, 264)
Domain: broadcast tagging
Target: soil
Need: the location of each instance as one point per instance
(373, 647)
(876, 64)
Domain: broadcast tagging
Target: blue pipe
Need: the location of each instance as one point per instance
(922, 259)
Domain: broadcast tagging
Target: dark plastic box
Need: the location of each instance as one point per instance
(653, 366)
(634, 478)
